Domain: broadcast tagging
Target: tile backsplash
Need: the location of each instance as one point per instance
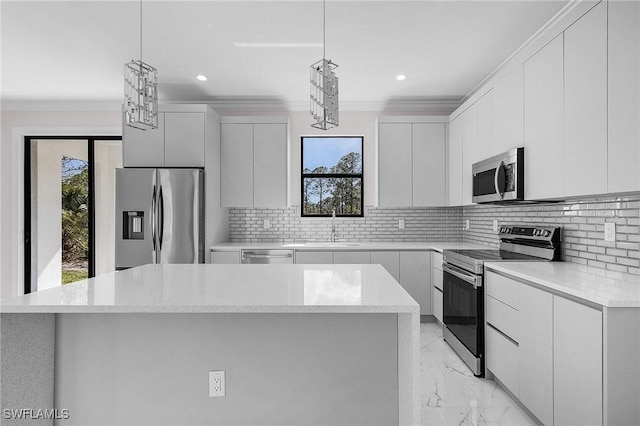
(583, 228)
(378, 224)
(582, 222)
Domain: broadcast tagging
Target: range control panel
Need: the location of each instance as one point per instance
(534, 233)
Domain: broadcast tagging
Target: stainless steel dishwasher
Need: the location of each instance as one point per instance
(267, 256)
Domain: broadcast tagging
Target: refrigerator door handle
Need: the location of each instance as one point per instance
(153, 218)
(161, 217)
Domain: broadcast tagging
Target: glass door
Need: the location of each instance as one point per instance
(68, 208)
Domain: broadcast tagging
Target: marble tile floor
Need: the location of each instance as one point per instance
(452, 395)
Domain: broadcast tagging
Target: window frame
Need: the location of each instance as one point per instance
(332, 175)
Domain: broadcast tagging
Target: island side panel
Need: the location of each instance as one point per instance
(409, 368)
(152, 369)
(27, 344)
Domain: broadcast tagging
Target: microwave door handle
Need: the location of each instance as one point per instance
(499, 179)
(153, 218)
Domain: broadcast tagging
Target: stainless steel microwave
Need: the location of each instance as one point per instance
(499, 178)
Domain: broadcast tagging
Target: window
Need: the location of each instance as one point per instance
(332, 175)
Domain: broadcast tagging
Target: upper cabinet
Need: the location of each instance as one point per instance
(411, 164)
(454, 162)
(508, 113)
(623, 96)
(585, 104)
(543, 122)
(179, 140)
(469, 150)
(254, 162)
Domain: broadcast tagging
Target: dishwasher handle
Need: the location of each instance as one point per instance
(250, 255)
(267, 256)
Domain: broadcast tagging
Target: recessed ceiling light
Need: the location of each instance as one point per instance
(201, 77)
(401, 77)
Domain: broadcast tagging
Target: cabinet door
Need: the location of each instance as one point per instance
(469, 151)
(415, 277)
(454, 163)
(390, 260)
(143, 148)
(486, 144)
(536, 352)
(225, 257)
(577, 363)
(543, 122)
(429, 159)
(270, 165)
(351, 257)
(184, 139)
(395, 164)
(314, 257)
(624, 99)
(502, 358)
(236, 166)
(508, 111)
(585, 104)
(437, 304)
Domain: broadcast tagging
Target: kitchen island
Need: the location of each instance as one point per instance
(299, 344)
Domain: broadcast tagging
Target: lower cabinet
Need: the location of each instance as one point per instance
(547, 350)
(351, 257)
(415, 277)
(390, 260)
(314, 257)
(436, 283)
(225, 257)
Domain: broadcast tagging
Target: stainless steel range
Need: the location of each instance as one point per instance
(463, 270)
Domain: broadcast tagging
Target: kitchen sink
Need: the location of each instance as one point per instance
(322, 244)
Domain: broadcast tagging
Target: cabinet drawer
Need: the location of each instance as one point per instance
(437, 261)
(503, 317)
(437, 278)
(502, 359)
(502, 288)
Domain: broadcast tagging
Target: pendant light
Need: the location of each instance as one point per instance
(324, 87)
(140, 92)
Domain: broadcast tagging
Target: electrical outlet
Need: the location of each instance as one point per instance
(216, 383)
(467, 225)
(266, 224)
(609, 231)
(495, 226)
(401, 224)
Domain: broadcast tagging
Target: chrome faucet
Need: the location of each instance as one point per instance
(334, 234)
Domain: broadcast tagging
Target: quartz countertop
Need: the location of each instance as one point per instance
(226, 288)
(438, 246)
(607, 288)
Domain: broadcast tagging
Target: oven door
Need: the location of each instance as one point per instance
(463, 307)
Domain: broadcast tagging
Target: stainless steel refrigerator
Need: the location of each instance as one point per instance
(159, 216)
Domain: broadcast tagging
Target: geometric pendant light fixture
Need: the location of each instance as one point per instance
(324, 87)
(140, 92)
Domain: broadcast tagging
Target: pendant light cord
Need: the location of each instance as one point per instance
(324, 29)
(140, 30)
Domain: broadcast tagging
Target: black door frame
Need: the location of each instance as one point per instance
(27, 199)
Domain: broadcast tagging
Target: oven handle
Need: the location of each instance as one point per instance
(456, 272)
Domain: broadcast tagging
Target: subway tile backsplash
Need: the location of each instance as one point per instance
(583, 228)
(582, 222)
(378, 224)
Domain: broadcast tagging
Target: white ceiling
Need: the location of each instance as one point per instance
(75, 50)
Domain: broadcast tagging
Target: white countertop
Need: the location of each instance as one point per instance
(368, 246)
(226, 288)
(606, 288)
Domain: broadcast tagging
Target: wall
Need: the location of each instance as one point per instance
(378, 224)
(583, 228)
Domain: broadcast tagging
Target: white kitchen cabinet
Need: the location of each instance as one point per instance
(177, 142)
(415, 277)
(395, 164)
(486, 143)
(429, 161)
(253, 163)
(436, 283)
(390, 260)
(536, 352)
(469, 151)
(577, 363)
(270, 165)
(412, 164)
(502, 358)
(454, 162)
(314, 257)
(545, 163)
(236, 165)
(585, 104)
(623, 96)
(508, 111)
(225, 257)
(184, 139)
(351, 257)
